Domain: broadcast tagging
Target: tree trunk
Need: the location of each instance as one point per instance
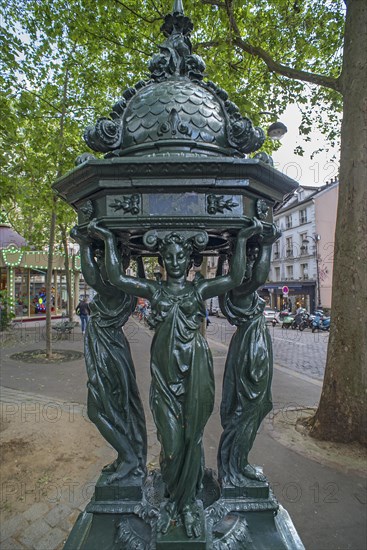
(50, 260)
(70, 309)
(54, 218)
(342, 410)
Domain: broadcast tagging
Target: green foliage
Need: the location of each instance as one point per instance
(151, 266)
(6, 313)
(65, 63)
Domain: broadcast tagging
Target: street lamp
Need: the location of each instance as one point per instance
(316, 239)
(276, 130)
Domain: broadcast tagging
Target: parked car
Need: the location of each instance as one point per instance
(269, 314)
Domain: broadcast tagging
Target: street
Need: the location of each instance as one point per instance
(304, 352)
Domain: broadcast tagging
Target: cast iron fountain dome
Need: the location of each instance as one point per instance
(176, 110)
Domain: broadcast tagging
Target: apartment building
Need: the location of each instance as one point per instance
(302, 259)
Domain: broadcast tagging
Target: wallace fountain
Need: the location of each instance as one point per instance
(176, 182)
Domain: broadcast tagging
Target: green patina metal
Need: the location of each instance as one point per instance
(176, 110)
(176, 183)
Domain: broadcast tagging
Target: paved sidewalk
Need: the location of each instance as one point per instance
(327, 503)
(46, 523)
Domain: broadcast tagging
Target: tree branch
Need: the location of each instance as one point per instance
(209, 44)
(116, 42)
(289, 72)
(138, 15)
(31, 92)
(161, 14)
(214, 3)
(271, 63)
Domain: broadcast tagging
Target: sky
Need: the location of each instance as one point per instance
(307, 171)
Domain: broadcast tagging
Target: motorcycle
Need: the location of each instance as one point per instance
(320, 323)
(287, 321)
(301, 320)
(306, 322)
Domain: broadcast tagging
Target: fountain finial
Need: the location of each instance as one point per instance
(177, 7)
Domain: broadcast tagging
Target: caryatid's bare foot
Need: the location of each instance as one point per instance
(111, 467)
(192, 520)
(166, 517)
(129, 475)
(251, 473)
(242, 477)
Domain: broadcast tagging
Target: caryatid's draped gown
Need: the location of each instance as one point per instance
(182, 390)
(247, 381)
(114, 402)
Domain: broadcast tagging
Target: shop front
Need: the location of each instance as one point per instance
(300, 294)
(23, 274)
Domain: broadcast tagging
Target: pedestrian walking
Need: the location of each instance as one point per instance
(83, 311)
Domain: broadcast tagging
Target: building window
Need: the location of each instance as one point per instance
(288, 222)
(211, 261)
(276, 251)
(304, 271)
(277, 273)
(304, 244)
(289, 247)
(289, 271)
(303, 216)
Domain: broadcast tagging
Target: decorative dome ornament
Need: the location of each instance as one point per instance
(262, 209)
(176, 110)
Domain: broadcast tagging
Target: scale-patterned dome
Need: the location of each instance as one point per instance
(176, 110)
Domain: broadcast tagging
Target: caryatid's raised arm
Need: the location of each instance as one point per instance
(261, 266)
(90, 268)
(136, 286)
(144, 288)
(221, 284)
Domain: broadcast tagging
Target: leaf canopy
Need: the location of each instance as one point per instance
(64, 63)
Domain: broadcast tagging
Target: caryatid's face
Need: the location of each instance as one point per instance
(176, 260)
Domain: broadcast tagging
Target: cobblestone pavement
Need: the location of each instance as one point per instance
(304, 352)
